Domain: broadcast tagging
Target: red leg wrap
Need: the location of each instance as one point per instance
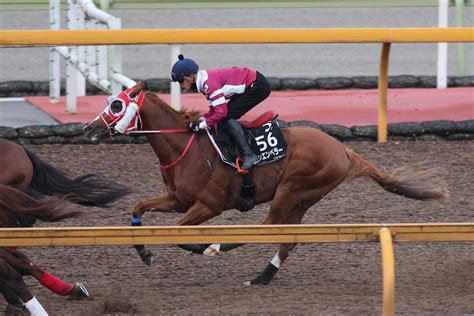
(56, 285)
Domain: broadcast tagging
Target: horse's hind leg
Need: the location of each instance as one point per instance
(23, 265)
(14, 288)
(10, 295)
(280, 215)
(11, 285)
(283, 211)
(294, 197)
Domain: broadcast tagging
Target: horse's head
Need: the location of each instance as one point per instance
(121, 115)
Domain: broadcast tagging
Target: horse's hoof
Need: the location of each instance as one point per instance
(147, 257)
(80, 290)
(260, 280)
(212, 250)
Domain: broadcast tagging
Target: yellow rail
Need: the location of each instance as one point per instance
(235, 36)
(251, 36)
(89, 236)
(94, 236)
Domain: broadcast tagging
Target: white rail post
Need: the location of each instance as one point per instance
(460, 23)
(442, 47)
(54, 58)
(91, 51)
(115, 58)
(81, 50)
(71, 72)
(103, 57)
(174, 86)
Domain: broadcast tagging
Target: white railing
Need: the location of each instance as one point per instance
(100, 65)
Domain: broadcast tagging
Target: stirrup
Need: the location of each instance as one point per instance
(241, 171)
(256, 162)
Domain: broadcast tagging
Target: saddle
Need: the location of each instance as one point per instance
(262, 134)
(264, 138)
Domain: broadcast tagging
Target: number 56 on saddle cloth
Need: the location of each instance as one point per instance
(266, 140)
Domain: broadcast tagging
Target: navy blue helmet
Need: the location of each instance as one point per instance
(182, 68)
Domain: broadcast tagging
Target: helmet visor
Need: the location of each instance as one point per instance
(177, 78)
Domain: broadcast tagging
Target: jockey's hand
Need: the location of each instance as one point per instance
(193, 126)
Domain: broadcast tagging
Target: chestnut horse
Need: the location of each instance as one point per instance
(17, 208)
(22, 168)
(202, 187)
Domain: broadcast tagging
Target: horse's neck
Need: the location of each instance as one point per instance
(157, 115)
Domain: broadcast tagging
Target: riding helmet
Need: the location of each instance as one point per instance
(183, 67)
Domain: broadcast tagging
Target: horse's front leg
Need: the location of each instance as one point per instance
(163, 203)
(197, 214)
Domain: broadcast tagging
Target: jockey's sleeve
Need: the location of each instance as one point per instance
(216, 114)
(210, 112)
(218, 107)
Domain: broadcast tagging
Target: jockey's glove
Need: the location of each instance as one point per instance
(197, 125)
(193, 126)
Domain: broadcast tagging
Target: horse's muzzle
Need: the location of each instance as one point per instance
(94, 134)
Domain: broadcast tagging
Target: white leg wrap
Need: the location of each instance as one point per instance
(212, 250)
(35, 308)
(276, 261)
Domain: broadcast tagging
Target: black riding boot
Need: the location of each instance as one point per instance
(238, 135)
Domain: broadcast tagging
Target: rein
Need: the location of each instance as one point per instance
(169, 131)
(185, 151)
(161, 131)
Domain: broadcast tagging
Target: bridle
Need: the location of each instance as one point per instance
(112, 132)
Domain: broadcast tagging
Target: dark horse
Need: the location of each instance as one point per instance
(202, 187)
(17, 209)
(22, 168)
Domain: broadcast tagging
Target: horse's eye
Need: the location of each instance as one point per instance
(116, 107)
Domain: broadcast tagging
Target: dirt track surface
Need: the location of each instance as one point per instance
(317, 279)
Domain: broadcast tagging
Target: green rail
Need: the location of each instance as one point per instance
(193, 4)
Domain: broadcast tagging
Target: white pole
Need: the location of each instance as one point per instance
(81, 51)
(174, 86)
(123, 80)
(91, 51)
(71, 73)
(103, 57)
(442, 47)
(460, 23)
(84, 69)
(54, 59)
(115, 58)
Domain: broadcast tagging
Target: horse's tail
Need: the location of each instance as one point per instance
(90, 189)
(49, 209)
(407, 182)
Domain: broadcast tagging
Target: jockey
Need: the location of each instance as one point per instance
(231, 92)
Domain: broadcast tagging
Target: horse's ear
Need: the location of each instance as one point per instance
(137, 89)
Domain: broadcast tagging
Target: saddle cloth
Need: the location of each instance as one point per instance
(262, 134)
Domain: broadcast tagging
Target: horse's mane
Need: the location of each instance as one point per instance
(188, 116)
